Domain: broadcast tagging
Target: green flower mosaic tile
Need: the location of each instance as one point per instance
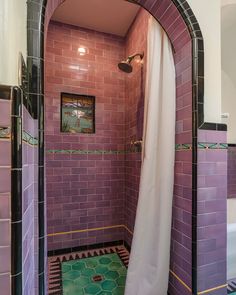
(5, 132)
(78, 276)
(26, 137)
(87, 152)
(213, 146)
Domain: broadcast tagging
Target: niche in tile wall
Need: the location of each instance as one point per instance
(77, 113)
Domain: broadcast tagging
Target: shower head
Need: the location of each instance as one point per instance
(126, 66)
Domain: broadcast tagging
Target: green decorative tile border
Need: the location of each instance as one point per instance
(212, 146)
(183, 146)
(27, 138)
(202, 146)
(178, 147)
(92, 152)
(5, 132)
(87, 152)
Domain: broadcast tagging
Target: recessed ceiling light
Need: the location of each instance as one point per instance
(82, 50)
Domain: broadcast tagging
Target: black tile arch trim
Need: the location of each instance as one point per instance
(16, 191)
(35, 66)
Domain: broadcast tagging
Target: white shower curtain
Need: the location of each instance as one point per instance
(149, 260)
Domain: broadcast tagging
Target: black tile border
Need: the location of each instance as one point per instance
(5, 92)
(16, 191)
(86, 248)
(35, 94)
(214, 126)
(35, 47)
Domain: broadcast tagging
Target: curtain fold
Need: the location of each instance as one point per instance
(148, 269)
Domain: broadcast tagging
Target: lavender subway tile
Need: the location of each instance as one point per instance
(216, 155)
(211, 270)
(5, 283)
(211, 257)
(4, 206)
(5, 233)
(5, 154)
(205, 246)
(5, 118)
(5, 180)
(212, 136)
(5, 258)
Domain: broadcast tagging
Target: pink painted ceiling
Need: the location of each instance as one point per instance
(108, 16)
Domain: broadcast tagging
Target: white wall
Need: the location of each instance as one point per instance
(208, 14)
(13, 23)
(231, 209)
(229, 105)
(229, 66)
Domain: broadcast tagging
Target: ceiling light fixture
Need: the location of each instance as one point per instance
(82, 51)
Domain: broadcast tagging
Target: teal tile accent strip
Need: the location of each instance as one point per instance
(27, 138)
(208, 145)
(183, 146)
(5, 132)
(178, 147)
(87, 152)
(213, 146)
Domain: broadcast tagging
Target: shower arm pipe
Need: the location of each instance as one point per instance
(131, 57)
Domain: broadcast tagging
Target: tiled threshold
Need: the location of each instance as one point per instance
(97, 271)
(232, 287)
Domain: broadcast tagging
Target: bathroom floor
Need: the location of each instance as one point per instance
(100, 271)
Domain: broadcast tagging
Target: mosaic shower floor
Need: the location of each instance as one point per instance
(104, 274)
(93, 272)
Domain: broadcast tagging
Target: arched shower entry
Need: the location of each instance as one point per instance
(177, 19)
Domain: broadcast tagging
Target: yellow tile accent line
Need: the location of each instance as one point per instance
(182, 282)
(128, 229)
(199, 293)
(213, 289)
(89, 229)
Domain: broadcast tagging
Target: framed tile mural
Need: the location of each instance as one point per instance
(77, 113)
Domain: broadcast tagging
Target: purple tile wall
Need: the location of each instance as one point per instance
(181, 245)
(84, 191)
(30, 207)
(5, 199)
(136, 42)
(212, 222)
(231, 172)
